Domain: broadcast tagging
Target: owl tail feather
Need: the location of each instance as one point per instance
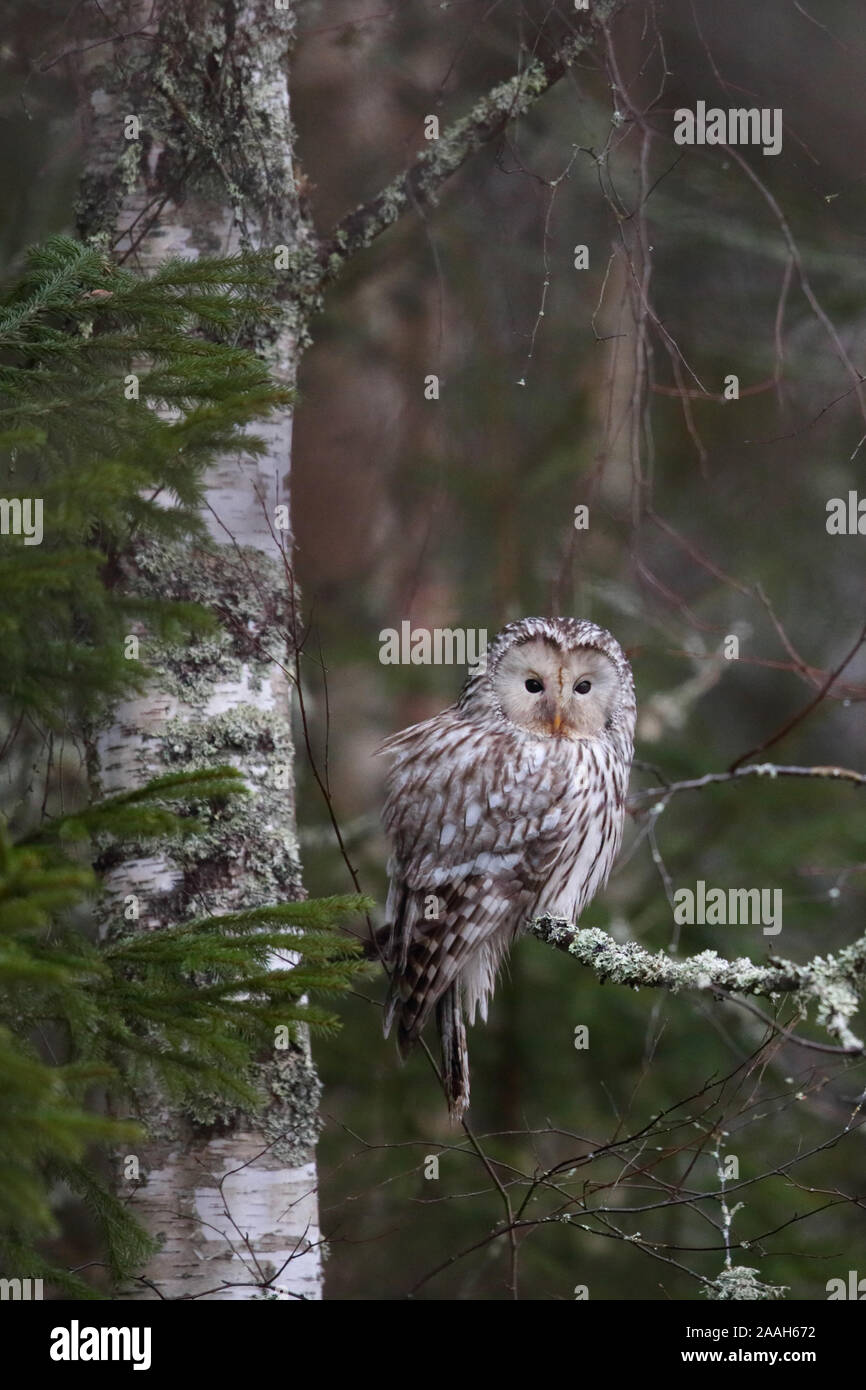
(452, 1034)
(455, 1057)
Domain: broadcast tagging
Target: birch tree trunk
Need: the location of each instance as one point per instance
(206, 167)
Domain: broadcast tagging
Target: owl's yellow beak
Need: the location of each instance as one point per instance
(557, 722)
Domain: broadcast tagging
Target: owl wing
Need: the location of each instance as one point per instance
(475, 819)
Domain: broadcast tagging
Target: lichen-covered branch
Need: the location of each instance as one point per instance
(833, 984)
(419, 185)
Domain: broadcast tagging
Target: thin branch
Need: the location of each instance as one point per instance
(771, 770)
(801, 714)
(419, 185)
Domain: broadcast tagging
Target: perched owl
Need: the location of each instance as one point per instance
(505, 806)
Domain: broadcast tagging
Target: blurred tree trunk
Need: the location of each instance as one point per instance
(189, 152)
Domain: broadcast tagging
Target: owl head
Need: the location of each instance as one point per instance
(556, 678)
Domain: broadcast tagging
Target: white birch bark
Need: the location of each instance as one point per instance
(211, 171)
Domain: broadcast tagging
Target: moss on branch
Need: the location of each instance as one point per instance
(832, 984)
(419, 185)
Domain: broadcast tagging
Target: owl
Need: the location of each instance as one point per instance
(507, 805)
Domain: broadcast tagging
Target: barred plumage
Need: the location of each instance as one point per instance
(508, 804)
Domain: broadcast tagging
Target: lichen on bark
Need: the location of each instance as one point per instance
(209, 169)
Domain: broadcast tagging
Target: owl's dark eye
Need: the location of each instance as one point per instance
(583, 687)
(534, 686)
